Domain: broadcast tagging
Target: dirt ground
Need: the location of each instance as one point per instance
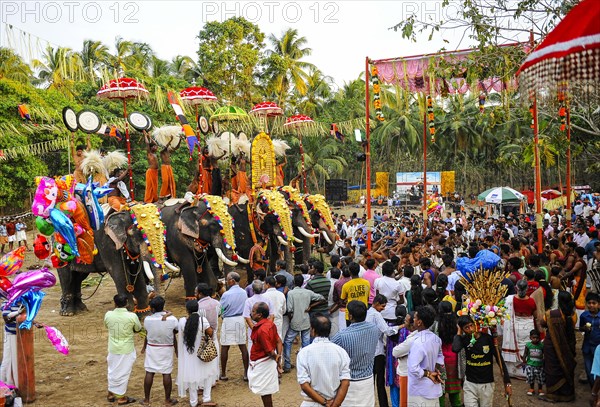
(79, 379)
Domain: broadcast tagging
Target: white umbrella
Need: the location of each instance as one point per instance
(500, 195)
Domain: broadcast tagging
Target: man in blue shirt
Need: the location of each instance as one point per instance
(589, 323)
(359, 340)
(233, 329)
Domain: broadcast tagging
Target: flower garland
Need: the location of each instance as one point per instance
(274, 213)
(320, 205)
(562, 110)
(155, 263)
(217, 209)
(431, 118)
(482, 103)
(376, 93)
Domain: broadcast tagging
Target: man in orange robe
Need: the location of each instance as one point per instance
(167, 189)
(151, 194)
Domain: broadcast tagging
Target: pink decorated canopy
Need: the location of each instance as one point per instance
(414, 73)
(298, 121)
(196, 95)
(122, 88)
(268, 109)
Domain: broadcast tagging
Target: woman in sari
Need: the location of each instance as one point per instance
(521, 308)
(559, 350)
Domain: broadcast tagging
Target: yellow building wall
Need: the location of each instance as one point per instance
(382, 188)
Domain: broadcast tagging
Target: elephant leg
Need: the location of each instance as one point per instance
(189, 271)
(76, 284)
(65, 276)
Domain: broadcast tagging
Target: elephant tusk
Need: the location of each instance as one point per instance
(327, 239)
(281, 241)
(172, 267)
(223, 258)
(242, 260)
(148, 271)
(304, 232)
(296, 239)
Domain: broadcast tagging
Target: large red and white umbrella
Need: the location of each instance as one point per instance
(298, 122)
(264, 110)
(570, 52)
(123, 89)
(197, 95)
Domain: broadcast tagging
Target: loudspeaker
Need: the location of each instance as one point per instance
(336, 190)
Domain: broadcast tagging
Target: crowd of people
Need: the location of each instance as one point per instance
(12, 235)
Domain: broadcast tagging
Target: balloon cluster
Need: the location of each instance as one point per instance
(26, 287)
(485, 316)
(59, 214)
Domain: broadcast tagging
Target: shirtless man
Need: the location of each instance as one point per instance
(119, 196)
(151, 194)
(211, 173)
(77, 154)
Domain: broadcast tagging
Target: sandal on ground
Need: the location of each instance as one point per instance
(143, 403)
(125, 400)
(171, 402)
(546, 399)
(208, 404)
(530, 392)
(111, 397)
(223, 378)
(245, 378)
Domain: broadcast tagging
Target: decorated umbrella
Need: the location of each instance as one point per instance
(123, 89)
(551, 194)
(500, 195)
(266, 110)
(195, 96)
(569, 53)
(298, 122)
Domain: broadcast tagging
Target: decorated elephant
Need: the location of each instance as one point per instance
(131, 249)
(265, 226)
(198, 236)
(301, 223)
(322, 221)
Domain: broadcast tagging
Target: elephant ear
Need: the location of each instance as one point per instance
(189, 222)
(116, 226)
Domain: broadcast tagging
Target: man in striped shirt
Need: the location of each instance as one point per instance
(8, 371)
(319, 284)
(359, 340)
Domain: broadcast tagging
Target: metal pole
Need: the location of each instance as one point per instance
(368, 154)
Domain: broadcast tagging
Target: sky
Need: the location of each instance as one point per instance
(340, 33)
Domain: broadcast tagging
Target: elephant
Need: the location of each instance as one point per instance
(125, 255)
(322, 221)
(196, 244)
(271, 224)
(301, 222)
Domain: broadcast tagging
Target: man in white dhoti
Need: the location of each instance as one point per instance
(233, 328)
(8, 370)
(121, 325)
(159, 346)
(265, 355)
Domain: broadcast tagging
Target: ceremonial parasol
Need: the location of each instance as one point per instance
(500, 195)
(265, 110)
(195, 96)
(551, 194)
(569, 53)
(123, 89)
(298, 122)
(228, 113)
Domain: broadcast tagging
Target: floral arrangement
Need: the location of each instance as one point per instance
(376, 93)
(431, 118)
(485, 292)
(277, 205)
(486, 316)
(319, 204)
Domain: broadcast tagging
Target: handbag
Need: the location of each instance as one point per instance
(207, 351)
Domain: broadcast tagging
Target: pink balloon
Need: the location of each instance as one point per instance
(45, 197)
(57, 339)
(68, 207)
(78, 229)
(34, 279)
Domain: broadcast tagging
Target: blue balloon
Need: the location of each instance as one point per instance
(63, 225)
(32, 300)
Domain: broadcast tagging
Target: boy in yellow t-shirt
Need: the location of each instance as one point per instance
(356, 289)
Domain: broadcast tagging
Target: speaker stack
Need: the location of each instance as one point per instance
(336, 190)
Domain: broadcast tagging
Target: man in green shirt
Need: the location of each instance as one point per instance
(318, 284)
(121, 325)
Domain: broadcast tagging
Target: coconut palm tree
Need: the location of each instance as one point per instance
(184, 67)
(118, 61)
(94, 55)
(12, 66)
(318, 92)
(58, 69)
(285, 68)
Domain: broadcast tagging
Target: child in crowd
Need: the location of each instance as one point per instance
(534, 361)
(589, 323)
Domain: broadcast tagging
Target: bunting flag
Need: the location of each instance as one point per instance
(335, 133)
(24, 112)
(190, 134)
(34, 149)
